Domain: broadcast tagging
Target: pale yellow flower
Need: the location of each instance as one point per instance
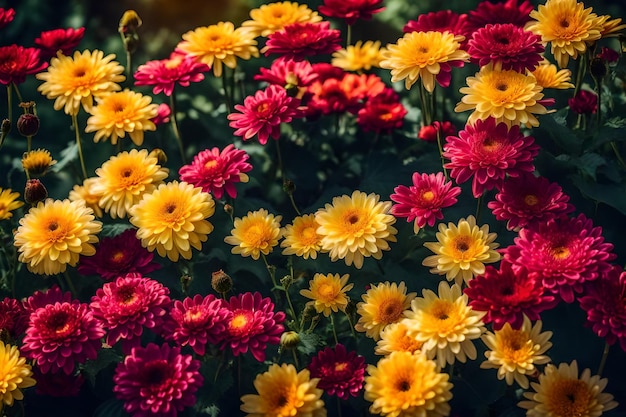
(548, 75)
(328, 293)
(301, 238)
(8, 203)
(272, 17)
(254, 234)
(396, 337)
(358, 57)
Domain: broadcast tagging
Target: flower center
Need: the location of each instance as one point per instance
(564, 23)
(501, 87)
(428, 195)
(327, 292)
(560, 252)
(256, 236)
(390, 310)
(118, 257)
(570, 397)
(60, 323)
(341, 366)
(211, 164)
(155, 373)
(403, 385)
(240, 323)
(195, 315)
(462, 243)
(309, 235)
(531, 200)
(126, 295)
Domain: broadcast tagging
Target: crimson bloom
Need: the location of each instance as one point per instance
(41, 299)
(609, 55)
(6, 16)
(440, 21)
(351, 10)
(300, 40)
(382, 113)
(50, 42)
(429, 133)
(584, 102)
(500, 12)
(163, 114)
(288, 73)
(13, 318)
(16, 62)
(341, 373)
(164, 74)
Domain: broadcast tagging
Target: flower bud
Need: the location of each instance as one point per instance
(289, 340)
(229, 210)
(160, 155)
(28, 124)
(185, 281)
(34, 192)
(286, 281)
(129, 22)
(221, 282)
(598, 69)
(5, 128)
(288, 186)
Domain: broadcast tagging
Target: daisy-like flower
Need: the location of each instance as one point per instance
(218, 45)
(272, 17)
(163, 114)
(382, 305)
(426, 55)
(505, 95)
(405, 385)
(382, 113)
(339, 95)
(301, 238)
(429, 133)
(340, 372)
(85, 193)
(54, 234)
(509, 11)
(50, 42)
(462, 250)
(288, 74)
(41, 299)
(356, 226)
(164, 74)
(328, 293)
(361, 56)
(561, 391)
(548, 75)
(351, 10)
(283, 391)
(445, 324)
(15, 375)
(396, 337)
(254, 234)
(300, 40)
(172, 219)
(584, 102)
(514, 353)
(37, 162)
(16, 62)
(6, 16)
(157, 381)
(424, 200)
(439, 21)
(252, 325)
(8, 202)
(75, 81)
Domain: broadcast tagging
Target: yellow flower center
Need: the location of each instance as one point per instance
(173, 63)
(127, 295)
(531, 200)
(327, 291)
(403, 385)
(55, 231)
(282, 402)
(309, 235)
(390, 311)
(210, 164)
(428, 195)
(256, 236)
(117, 257)
(507, 87)
(516, 347)
(442, 317)
(193, 315)
(560, 252)
(569, 397)
(239, 321)
(341, 366)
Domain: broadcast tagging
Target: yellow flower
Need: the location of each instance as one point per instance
(54, 234)
(86, 194)
(560, 392)
(421, 54)
(462, 250)
(507, 96)
(172, 219)
(358, 57)
(255, 234)
(301, 237)
(357, 226)
(446, 324)
(219, 44)
(125, 178)
(548, 76)
(119, 113)
(328, 293)
(382, 305)
(282, 392)
(396, 338)
(37, 162)
(516, 352)
(15, 375)
(8, 203)
(610, 27)
(75, 81)
(270, 18)
(407, 385)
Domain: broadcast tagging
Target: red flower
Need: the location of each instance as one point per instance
(489, 153)
(500, 12)
(163, 114)
(382, 113)
(13, 319)
(287, 73)
(341, 373)
(6, 16)
(351, 10)
(217, 172)
(343, 94)
(57, 384)
(42, 299)
(157, 381)
(299, 40)
(429, 133)
(164, 74)
(609, 55)
(441, 21)
(584, 102)
(16, 62)
(64, 40)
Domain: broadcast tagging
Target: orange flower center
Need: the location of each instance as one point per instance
(428, 195)
(560, 252)
(390, 311)
(341, 366)
(570, 397)
(210, 164)
(531, 200)
(193, 315)
(118, 257)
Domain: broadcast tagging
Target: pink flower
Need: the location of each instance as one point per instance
(429, 133)
(584, 102)
(611, 56)
(64, 40)
(6, 16)
(382, 113)
(351, 10)
(13, 318)
(500, 12)
(287, 73)
(164, 74)
(16, 62)
(163, 114)
(441, 21)
(300, 40)
(341, 373)
(41, 299)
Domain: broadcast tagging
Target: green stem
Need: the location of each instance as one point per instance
(443, 160)
(80, 146)
(425, 103)
(350, 323)
(9, 102)
(229, 103)
(295, 358)
(174, 123)
(70, 284)
(580, 73)
(479, 204)
(17, 93)
(270, 270)
(618, 155)
(605, 354)
(332, 324)
(348, 36)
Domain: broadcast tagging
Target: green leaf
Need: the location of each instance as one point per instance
(309, 343)
(589, 163)
(612, 195)
(105, 358)
(68, 155)
(114, 229)
(560, 134)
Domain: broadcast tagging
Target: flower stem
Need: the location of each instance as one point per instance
(17, 93)
(70, 283)
(174, 123)
(332, 324)
(350, 323)
(479, 205)
(443, 160)
(9, 102)
(605, 354)
(618, 155)
(229, 103)
(348, 35)
(80, 146)
(426, 105)
(295, 358)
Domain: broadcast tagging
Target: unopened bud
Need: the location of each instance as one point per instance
(34, 191)
(28, 124)
(598, 68)
(129, 22)
(221, 282)
(185, 281)
(160, 155)
(309, 312)
(5, 128)
(289, 187)
(289, 340)
(229, 209)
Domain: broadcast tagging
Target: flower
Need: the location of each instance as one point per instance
(172, 219)
(273, 17)
(157, 380)
(41, 299)
(424, 200)
(505, 95)
(6, 16)
(429, 133)
(16, 62)
(548, 75)
(356, 226)
(382, 113)
(255, 233)
(439, 21)
(219, 44)
(263, 113)
(125, 178)
(253, 325)
(283, 391)
(340, 372)
(13, 319)
(462, 250)
(164, 74)
(85, 194)
(395, 337)
(508, 11)
(584, 102)
(301, 238)
(358, 57)
(405, 384)
(351, 10)
(58, 384)
(489, 151)
(64, 40)
(8, 203)
(328, 293)
(445, 324)
(300, 40)
(429, 55)
(37, 162)
(561, 391)
(288, 73)
(54, 234)
(77, 80)
(382, 305)
(15, 375)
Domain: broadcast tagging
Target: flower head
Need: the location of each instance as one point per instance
(13, 319)
(37, 162)
(382, 305)
(397, 337)
(382, 113)
(351, 10)
(301, 237)
(85, 193)
(6, 16)
(50, 42)
(164, 74)
(328, 293)
(584, 102)
(288, 74)
(273, 17)
(429, 133)
(548, 75)
(490, 12)
(254, 234)
(358, 57)
(8, 203)
(16, 62)
(439, 21)
(340, 372)
(300, 40)
(15, 375)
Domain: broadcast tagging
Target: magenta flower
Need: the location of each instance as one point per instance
(6, 16)
(41, 299)
(351, 10)
(13, 318)
(65, 40)
(288, 73)
(163, 114)
(584, 102)
(341, 373)
(16, 62)
(440, 21)
(491, 12)
(382, 113)
(164, 74)
(300, 40)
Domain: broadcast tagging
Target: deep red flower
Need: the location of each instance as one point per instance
(584, 102)
(41, 299)
(609, 55)
(64, 40)
(382, 113)
(343, 94)
(16, 62)
(57, 384)
(164, 74)
(13, 319)
(440, 21)
(429, 133)
(341, 373)
(351, 10)
(300, 40)
(287, 73)
(6, 16)
(163, 114)
(325, 71)
(500, 12)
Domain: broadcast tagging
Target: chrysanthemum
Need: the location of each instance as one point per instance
(6, 16)
(48, 296)
(164, 74)
(337, 95)
(16, 62)
(426, 55)
(382, 305)
(253, 325)
(584, 102)
(445, 324)
(610, 28)
(272, 17)
(405, 385)
(328, 293)
(561, 392)
(64, 40)
(382, 113)
(172, 219)
(163, 114)
(8, 203)
(358, 57)
(396, 337)
(301, 238)
(77, 80)
(254, 234)
(351, 10)
(340, 372)
(355, 227)
(424, 200)
(508, 96)
(509, 11)
(15, 375)
(439, 21)
(298, 41)
(85, 193)
(288, 74)
(37, 162)
(157, 381)
(13, 319)
(548, 75)
(430, 132)
(283, 391)
(218, 45)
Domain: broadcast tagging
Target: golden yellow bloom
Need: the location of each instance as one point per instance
(396, 338)
(172, 219)
(75, 81)
(37, 162)
(328, 293)
(86, 194)
(358, 57)
(272, 17)
(560, 392)
(514, 353)
(8, 203)
(507, 96)
(15, 375)
(282, 392)
(421, 54)
(610, 27)
(119, 113)
(547, 75)
(125, 178)
(301, 238)
(382, 305)
(407, 385)
(219, 44)
(255, 234)
(54, 234)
